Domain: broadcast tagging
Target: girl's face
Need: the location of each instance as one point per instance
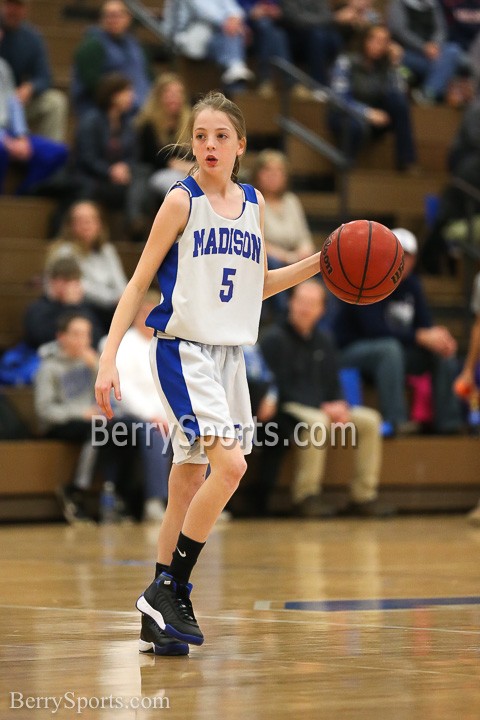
(172, 98)
(215, 142)
(123, 100)
(272, 178)
(376, 44)
(85, 224)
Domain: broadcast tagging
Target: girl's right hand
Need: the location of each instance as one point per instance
(107, 379)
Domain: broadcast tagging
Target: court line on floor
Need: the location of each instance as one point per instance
(238, 619)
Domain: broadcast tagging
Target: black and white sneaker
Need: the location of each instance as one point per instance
(168, 603)
(157, 642)
(72, 503)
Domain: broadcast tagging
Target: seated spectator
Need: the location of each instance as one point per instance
(85, 237)
(315, 38)
(109, 48)
(419, 27)
(463, 21)
(287, 235)
(140, 400)
(464, 163)
(469, 378)
(396, 337)
(371, 84)
(161, 122)
(105, 145)
(38, 156)
(353, 17)
(65, 406)
(270, 39)
(303, 361)
(23, 48)
(214, 30)
(63, 292)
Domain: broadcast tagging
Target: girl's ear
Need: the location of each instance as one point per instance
(241, 147)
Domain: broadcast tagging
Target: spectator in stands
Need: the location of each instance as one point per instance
(63, 292)
(105, 145)
(270, 39)
(141, 401)
(395, 337)
(314, 34)
(39, 156)
(85, 237)
(287, 235)
(463, 21)
(23, 47)
(371, 84)
(419, 27)
(109, 48)
(353, 16)
(161, 122)
(450, 224)
(214, 30)
(303, 361)
(65, 405)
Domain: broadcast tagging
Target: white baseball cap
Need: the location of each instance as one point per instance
(407, 239)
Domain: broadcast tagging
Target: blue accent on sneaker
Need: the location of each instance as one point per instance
(190, 639)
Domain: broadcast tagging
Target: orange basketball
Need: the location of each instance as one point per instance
(361, 262)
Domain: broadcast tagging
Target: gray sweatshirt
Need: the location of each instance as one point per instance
(64, 387)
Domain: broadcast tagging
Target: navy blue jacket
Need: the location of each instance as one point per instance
(399, 316)
(25, 51)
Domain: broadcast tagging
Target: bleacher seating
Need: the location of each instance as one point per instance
(419, 473)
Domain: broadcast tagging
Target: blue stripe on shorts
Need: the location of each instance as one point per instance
(172, 381)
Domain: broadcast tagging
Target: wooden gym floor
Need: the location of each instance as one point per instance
(401, 642)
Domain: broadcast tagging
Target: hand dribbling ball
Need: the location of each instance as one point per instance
(361, 262)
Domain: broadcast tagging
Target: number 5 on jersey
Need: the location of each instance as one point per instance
(227, 282)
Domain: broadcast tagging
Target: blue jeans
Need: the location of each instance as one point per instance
(351, 137)
(386, 362)
(47, 157)
(226, 49)
(434, 75)
(270, 41)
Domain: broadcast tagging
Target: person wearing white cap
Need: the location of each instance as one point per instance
(395, 337)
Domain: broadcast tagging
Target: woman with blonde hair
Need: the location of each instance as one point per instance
(287, 235)
(84, 235)
(160, 124)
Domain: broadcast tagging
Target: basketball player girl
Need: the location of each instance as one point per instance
(206, 246)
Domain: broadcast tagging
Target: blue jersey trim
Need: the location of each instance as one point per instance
(172, 381)
(167, 277)
(250, 194)
(192, 186)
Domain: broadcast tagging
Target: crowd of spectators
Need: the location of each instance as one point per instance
(127, 150)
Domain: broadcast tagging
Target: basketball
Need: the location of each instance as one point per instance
(361, 262)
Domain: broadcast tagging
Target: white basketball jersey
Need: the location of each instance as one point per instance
(212, 277)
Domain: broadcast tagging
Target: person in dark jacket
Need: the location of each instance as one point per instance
(63, 293)
(105, 145)
(22, 46)
(370, 83)
(303, 361)
(395, 337)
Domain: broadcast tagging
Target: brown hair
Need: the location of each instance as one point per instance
(215, 100)
(153, 112)
(109, 85)
(264, 158)
(66, 229)
(66, 268)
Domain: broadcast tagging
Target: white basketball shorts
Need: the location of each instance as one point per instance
(205, 393)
